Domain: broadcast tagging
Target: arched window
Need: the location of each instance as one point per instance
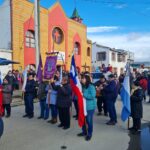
(88, 51)
(77, 48)
(30, 39)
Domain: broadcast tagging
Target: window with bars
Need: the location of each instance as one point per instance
(30, 39)
(101, 56)
(120, 57)
(77, 48)
(124, 58)
(113, 56)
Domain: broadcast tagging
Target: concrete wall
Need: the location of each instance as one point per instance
(114, 64)
(5, 27)
(4, 69)
(95, 50)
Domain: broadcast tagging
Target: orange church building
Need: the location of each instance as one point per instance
(57, 33)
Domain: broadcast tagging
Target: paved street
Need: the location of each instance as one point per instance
(25, 134)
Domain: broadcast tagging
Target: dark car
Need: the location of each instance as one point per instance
(1, 127)
(96, 76)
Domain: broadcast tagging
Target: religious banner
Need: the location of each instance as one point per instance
(50, 67)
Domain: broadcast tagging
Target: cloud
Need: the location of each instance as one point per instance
(120, 6)
(135, 42)
(100, 29)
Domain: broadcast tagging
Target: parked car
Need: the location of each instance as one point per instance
(96, 76)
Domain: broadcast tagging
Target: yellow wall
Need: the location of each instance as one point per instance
(22, 11)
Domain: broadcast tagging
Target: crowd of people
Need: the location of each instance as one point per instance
(56, 98)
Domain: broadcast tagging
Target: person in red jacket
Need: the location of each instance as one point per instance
(144, 84)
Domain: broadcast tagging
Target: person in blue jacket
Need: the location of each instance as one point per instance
(111, 96)
(29, 96)
(89, 93)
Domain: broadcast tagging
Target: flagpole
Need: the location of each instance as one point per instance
(128, 124)
(37, 31)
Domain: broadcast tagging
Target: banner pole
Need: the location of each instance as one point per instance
(128, 124)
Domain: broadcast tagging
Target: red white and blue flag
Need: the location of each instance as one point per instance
(77, 89)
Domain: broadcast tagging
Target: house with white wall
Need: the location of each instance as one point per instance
(117, 58)
(5, 35)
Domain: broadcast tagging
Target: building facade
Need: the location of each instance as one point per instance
(57, 33)
(117, 58)
(5, 36)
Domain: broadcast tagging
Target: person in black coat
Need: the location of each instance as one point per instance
(111, 95)
(136, 107)
(64, 102)
(100, 94)
(29, 95)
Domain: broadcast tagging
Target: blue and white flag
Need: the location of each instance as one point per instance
(125, 95)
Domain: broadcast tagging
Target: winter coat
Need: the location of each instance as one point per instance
(11, 80)
(53, 94)
(136, 103)
(64, 95)
(41, 93)
(30, 88)
(7, 97)
(90, 97)
(111, 91)
(143, 84)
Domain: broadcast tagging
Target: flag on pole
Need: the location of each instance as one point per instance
(25, 76)
(125, 95)
(40, 70)
(61, 74)
(77, 89)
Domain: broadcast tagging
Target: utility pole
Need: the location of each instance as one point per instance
(37, 30)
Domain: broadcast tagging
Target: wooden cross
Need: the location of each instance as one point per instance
(56, 35)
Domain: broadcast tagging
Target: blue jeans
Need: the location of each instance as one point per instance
(54, 111)
(29, 106)
(112, 111)
(88, 128)
(44, 109)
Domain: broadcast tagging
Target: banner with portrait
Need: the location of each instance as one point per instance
(50, 67)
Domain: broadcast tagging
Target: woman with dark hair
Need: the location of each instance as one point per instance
(136, 107)
(7, 97)
(89, 93)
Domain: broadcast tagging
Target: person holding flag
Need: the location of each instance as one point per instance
(86, 101)
(125, 95)
(89, 94)
(136, 107)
